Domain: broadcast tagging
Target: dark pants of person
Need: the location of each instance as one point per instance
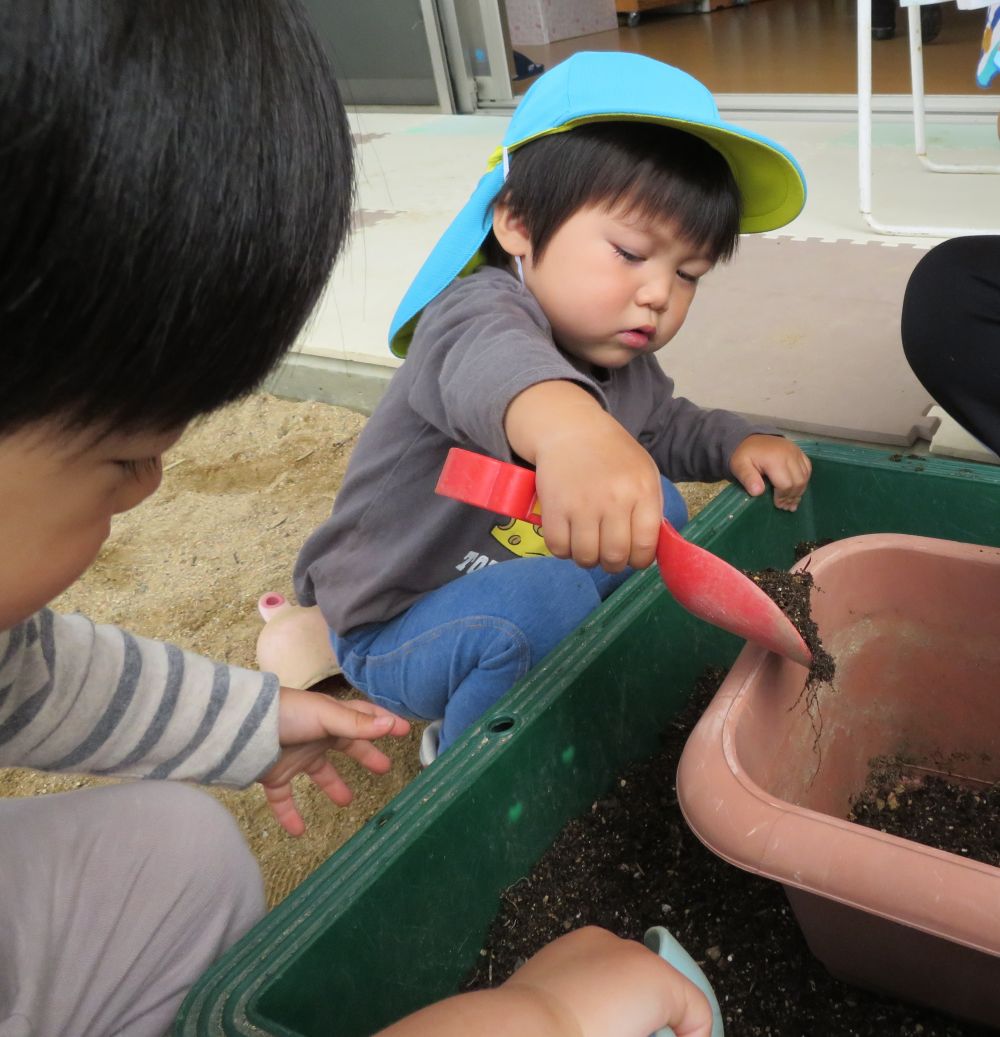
(951, 331)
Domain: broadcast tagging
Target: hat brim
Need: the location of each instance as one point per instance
(771, 183)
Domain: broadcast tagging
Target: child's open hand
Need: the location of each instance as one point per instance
(777, 459)
(309, 726)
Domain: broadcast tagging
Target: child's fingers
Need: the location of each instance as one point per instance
(282, 804)
(399, 726)
(369, 756)
(615, 541)
(325, 776)
(789, 481)
(787, 470)
(311, 760)
(306, 759)
(281, 799)
(555, 532)
(304, 716)
(748, 476)
(585, 546)
(647, 518)
(794, 474)
(347, 721)
(787, 498)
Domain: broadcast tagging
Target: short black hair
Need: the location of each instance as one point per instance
(652, 170)
(176, 180)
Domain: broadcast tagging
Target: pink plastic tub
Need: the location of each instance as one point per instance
(914, 627)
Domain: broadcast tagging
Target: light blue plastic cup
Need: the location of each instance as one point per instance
(662, 942)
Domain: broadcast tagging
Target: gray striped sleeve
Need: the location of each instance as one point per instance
(22, 710)
(168, 703)
(97, 700)
(216, 700)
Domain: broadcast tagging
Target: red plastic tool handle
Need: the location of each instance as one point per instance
(703, 583)
(485, 482)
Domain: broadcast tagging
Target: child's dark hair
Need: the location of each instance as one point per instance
(176, 181)
(654, 171)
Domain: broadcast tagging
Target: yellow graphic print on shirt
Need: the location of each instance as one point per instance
(521, 538)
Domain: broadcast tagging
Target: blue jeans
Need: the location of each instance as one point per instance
(455, 652)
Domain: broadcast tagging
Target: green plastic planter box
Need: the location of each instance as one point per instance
(396, 917)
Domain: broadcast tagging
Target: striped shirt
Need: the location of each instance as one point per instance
(93, 699)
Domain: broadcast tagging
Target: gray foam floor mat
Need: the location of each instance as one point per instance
(805, 334)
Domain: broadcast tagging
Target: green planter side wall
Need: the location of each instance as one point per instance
(395, 918)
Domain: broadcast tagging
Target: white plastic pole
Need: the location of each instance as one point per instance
(865, 107)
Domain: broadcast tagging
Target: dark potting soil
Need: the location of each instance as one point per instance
(806, 547)
(631, 862)
(905, 800)
(791, 592)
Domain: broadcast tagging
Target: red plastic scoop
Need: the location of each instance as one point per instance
(703, 583)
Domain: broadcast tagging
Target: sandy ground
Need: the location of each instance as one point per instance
(240, 492)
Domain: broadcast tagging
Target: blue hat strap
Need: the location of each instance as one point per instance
(506, 170)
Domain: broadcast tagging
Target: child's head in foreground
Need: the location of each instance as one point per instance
(620, 149)
(177, 179)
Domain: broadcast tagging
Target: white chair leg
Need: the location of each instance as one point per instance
(865, 104)
(919, 116)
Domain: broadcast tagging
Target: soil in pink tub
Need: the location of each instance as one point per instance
(769, 773)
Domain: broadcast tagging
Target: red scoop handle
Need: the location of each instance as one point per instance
(485, 482)
(701, 581)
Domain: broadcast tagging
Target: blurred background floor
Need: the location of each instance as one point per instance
(786, 46)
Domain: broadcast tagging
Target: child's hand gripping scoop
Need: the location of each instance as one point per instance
(703, 583)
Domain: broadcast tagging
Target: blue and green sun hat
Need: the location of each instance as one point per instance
(601, 87)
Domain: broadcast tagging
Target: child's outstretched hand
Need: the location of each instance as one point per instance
(309, 726)
(777, 459)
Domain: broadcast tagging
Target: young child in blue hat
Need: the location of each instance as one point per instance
(530, 334)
